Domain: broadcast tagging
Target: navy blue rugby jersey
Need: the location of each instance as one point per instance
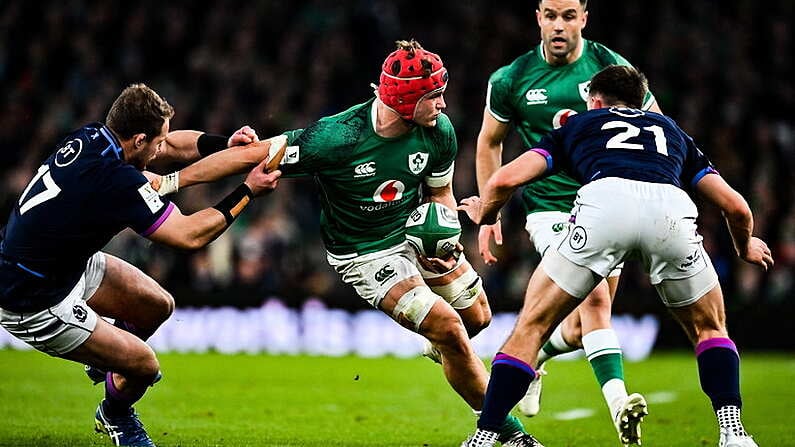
(82, 196)
(626, 143)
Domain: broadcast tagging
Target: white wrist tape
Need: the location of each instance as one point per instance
(169, 184)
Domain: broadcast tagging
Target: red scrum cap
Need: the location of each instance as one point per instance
(409, 74)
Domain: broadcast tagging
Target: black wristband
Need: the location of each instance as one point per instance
(233, 204)
(210, 143)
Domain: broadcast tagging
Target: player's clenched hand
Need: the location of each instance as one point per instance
(484, 241)
(440, 265)
(154, 179)
(261, 182)
(758, 253)
(242, 137)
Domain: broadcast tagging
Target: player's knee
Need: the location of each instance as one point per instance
(463, 291)
(448, 334)
(150, 370)
(598, 301)
(478, 317)
(142, 365)
(163, 303)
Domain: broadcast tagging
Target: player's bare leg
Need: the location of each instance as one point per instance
(456, 281)
(114, 349)
(443, 327)
(137, 302)
(704, 323)
(135, 369)
(545, 306)
(129, 295)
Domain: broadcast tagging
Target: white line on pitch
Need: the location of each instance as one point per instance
(661, 397)
(574, 413)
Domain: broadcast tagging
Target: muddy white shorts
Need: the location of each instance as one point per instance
(66, 325)
(549, 228)
(373, 274)
(615, 218)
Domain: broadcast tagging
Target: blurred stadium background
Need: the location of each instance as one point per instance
(723, 70)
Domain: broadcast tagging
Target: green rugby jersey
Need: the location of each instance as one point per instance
(369, 184)
(538, 97)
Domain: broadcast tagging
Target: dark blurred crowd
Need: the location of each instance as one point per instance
(723, 70)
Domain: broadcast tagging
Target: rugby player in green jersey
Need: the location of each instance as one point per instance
(373, 164)
(536, 93)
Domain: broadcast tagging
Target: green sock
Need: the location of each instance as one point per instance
(555, 346)
(604, 353)
(510, 428)
(608, 367)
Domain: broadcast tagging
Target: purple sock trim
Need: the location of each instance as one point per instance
(505, 359)
(720, 342)
(111, 390)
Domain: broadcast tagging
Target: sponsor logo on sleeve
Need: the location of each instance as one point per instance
(292, 155)
(151, 197)
(68, 153)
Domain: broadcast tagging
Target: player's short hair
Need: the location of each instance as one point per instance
(620, 84)
(138, 109)
(583, 3)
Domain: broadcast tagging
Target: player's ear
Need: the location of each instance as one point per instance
(139, 139)
(584, 19)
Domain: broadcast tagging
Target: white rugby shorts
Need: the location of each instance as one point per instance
(548, 229)
(66, 325)
(616, 218)
(373, 274)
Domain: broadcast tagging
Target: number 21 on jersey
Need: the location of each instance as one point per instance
(620, 140)
(50, 190)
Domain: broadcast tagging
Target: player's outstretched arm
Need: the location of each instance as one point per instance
(738, 218)
(503, 183)
(235, 160)
(488, 158)
(187, 146)
(194, 231)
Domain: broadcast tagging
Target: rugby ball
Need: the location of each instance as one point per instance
(433, 229)
(278, 146)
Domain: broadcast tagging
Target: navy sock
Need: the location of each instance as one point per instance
(510, 378)
(719, 371)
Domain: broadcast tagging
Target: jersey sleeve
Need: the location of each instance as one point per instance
(550, 146)
(306, 149)
(696, 164)
(498, 96)
(134, 203)
(444, 152)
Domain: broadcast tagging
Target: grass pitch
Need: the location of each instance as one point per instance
(246, 400)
